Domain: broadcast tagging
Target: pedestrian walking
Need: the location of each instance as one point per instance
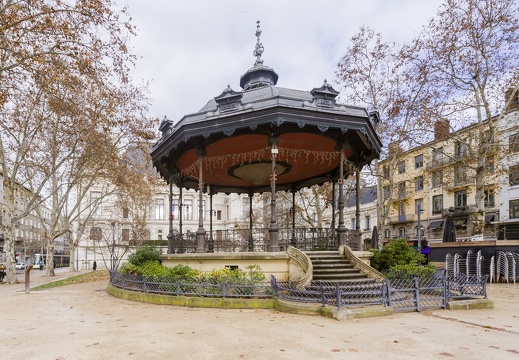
(94, 266)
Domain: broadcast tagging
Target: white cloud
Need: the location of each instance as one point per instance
(191, 50)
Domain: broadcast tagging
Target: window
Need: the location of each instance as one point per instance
(437, 204)
(437, 179)
(418, 183)
(387, 233)
(460, 199)
(418, 161)
(245, 206)
(368, 223)
(460, 175)
(385, 172)
(401, 190)
(418, 204)
(401, 167)
(95, 202)
(514, 175)
(489, 164)
(159, 209)
(489, 198)
(402, 232)
(218, 214)
(174, 209)
(96, 234)
(514, 209)
(125, 235)
(488, 137)
(125, 212)
(353, 223)
(386, 191)
(437, 155)
(228, 211)
(460, 150)
(401, 209)
(513, 143)
(188, 209)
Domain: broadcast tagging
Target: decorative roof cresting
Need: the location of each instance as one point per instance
(259, 46)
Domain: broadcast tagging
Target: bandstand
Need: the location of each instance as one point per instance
(265, 138)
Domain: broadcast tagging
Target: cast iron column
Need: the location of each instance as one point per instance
(200, 233)
(341, 229)
(211, 240)
(251, 239)
(170, 233)
(273, 229)
(180, 206)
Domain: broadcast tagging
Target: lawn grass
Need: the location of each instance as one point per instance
(77, 279)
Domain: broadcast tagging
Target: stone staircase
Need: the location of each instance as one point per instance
(331, 270)
(329, 266)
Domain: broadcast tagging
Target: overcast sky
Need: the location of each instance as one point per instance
(190, 50)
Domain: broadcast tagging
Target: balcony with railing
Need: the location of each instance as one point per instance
(404, 218)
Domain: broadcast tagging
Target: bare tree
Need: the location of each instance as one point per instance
(47, 49)
(466, 57)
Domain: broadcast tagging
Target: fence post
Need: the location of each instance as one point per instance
(144, 288)
(338, 296)
(387, 295)
(323, 299)
(273, 284)
(416, 292)
(179, 290)
(224, 289)
(446, 289)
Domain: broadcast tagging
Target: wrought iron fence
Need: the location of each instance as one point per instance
(242, 240)
(401, 294)
(358, 293)
(174, 286)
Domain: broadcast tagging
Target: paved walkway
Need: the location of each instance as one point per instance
(84, 322)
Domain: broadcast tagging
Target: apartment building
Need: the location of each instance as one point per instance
(28, 237)
(420, 187)
(508, 222)
(367, 212)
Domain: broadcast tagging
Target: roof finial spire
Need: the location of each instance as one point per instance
(259, 46)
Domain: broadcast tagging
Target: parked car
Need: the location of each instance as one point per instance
(20, 266)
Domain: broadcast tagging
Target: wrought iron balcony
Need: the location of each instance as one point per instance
(405, 218)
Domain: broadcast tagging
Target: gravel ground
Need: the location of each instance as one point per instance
(82, 321)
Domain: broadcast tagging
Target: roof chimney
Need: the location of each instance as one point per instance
(441, 129)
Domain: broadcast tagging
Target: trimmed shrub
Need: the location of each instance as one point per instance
(183, 272)
(411, 270)
(399, 257)
(128, 268)
(144, 254)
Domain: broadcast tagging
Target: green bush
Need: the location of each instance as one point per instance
(183, 272)
(396, 253)
(152, 268)
(144, 254)
(128, 268)
(411, 270)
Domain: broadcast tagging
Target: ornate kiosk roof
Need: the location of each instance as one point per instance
(234, 133)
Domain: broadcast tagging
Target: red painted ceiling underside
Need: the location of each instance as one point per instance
(301, 168)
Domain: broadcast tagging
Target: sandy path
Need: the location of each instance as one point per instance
(84, 322)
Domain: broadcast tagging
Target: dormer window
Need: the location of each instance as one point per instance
(228, 100)
(325, 95)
